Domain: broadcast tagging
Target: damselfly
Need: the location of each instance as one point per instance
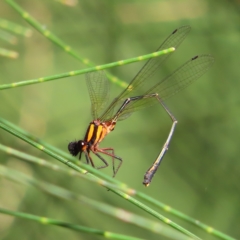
(141, 92)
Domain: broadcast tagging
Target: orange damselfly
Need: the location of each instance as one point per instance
(133, 98)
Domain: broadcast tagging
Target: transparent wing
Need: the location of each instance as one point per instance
(183, 76)
(139, 83)
(98, 88)
(175, 82)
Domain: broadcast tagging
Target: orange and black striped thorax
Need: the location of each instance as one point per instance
(97, 131)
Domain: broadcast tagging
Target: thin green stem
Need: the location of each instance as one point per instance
(55, 167)
(86, 70)
(183, 216)
(51, 221)
(15, 28)
(35, 139)
(8, 53)
(8, 37)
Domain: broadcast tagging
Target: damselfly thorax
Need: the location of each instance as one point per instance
(97, 131)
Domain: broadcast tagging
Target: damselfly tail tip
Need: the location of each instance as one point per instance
(146, 181)
(146, 184)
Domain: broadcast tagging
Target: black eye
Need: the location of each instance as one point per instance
(73, 148)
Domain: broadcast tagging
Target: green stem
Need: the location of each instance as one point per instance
(51, 221)
(86, 70)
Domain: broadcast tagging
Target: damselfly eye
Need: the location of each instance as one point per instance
(73, 148)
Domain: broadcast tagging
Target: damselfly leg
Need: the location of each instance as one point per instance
(106, 151)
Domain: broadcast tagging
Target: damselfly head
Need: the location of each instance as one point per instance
(77, 146)
(74, 148)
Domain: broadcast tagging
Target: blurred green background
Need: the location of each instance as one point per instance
(200, 173)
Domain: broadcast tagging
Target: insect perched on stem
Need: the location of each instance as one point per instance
(133, 98)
